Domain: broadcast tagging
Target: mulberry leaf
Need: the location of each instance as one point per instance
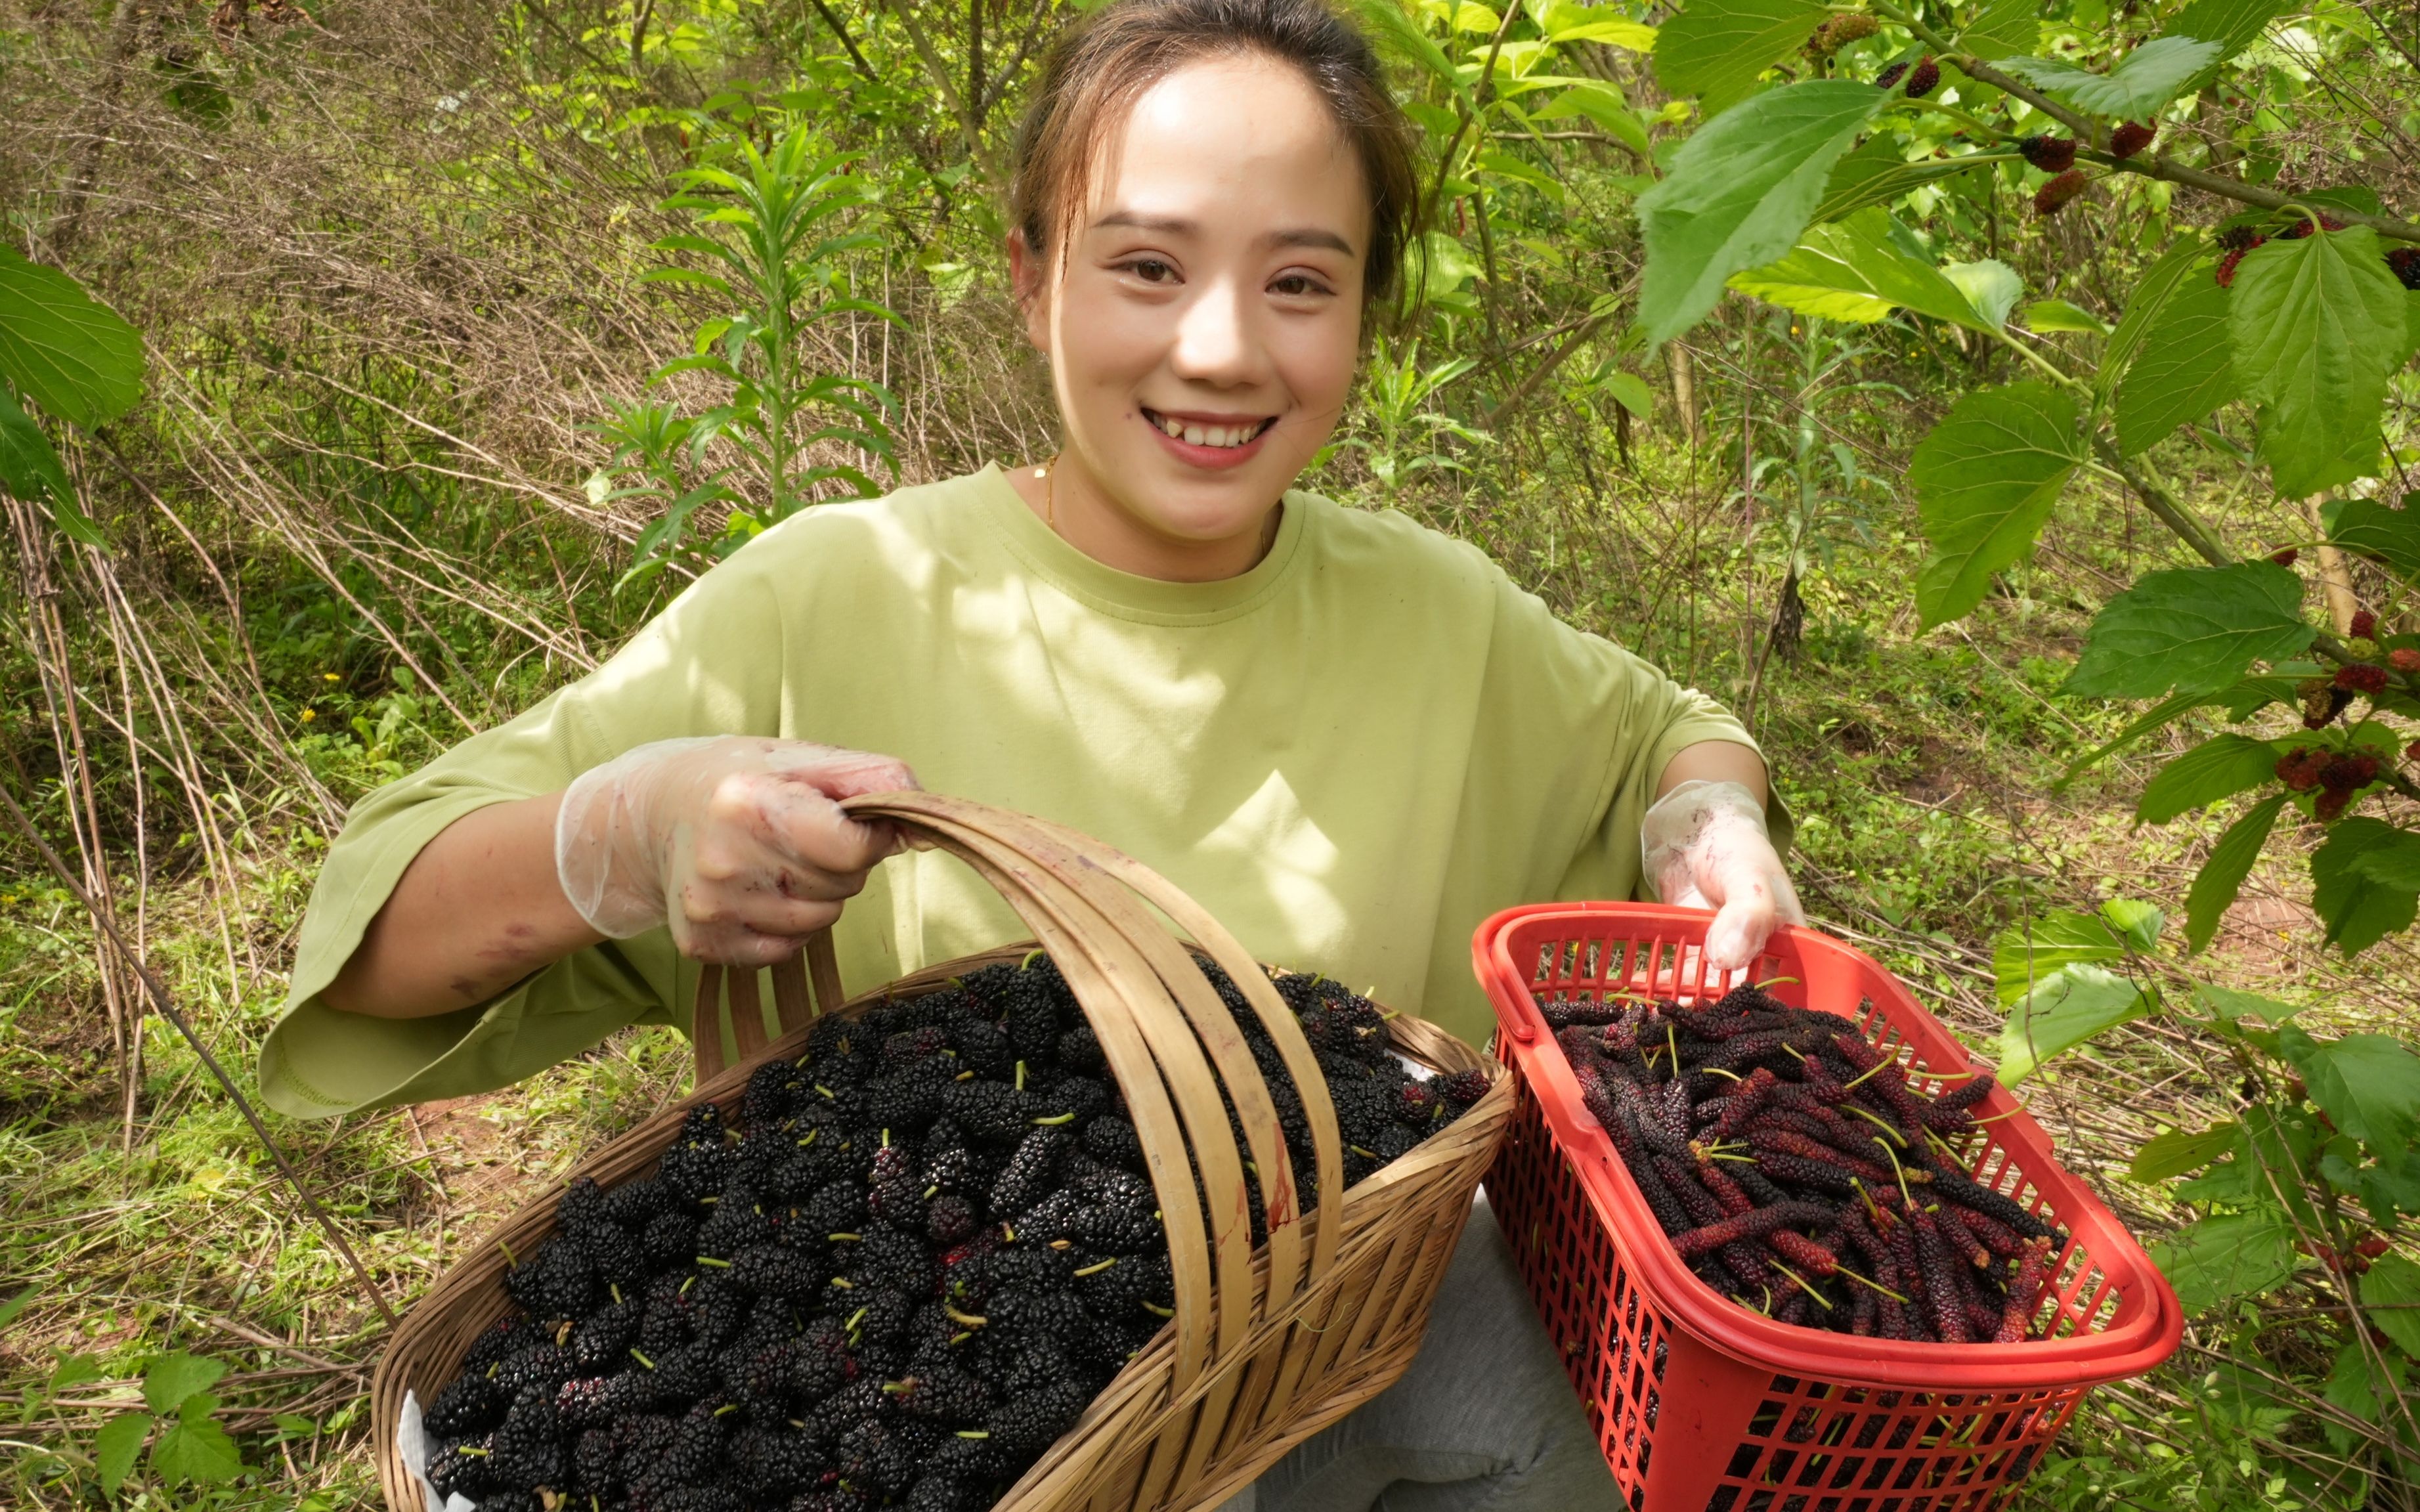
(2315, 326)
(2193, 630)
(1740, 191)
(1985, 480)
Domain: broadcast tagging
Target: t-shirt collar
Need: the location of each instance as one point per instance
(1111, 591)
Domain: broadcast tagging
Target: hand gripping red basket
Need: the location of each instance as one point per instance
(1700, 1403)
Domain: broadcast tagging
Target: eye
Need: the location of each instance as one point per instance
(1297, 286)
(1152, 270)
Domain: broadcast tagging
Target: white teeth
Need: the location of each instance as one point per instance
(1201, 435)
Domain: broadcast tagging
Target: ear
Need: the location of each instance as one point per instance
(1027, 279)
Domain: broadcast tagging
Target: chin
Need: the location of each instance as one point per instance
(1229, 508)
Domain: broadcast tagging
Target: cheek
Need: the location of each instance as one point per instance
(1318, 359)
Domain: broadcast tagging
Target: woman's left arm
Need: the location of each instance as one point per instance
(1704, 844)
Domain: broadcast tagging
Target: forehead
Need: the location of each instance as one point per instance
(1244, 135)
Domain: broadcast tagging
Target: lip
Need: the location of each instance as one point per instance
(1209, 458)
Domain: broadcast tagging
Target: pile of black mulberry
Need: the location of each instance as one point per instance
(1799, 1174)
(920, 1253)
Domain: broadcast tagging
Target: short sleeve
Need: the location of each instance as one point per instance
(707, 666)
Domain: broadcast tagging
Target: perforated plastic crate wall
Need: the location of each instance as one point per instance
(1700, 1403)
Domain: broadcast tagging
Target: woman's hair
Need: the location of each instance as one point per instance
(1100, 65)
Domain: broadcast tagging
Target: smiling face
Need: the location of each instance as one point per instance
(1203, 327)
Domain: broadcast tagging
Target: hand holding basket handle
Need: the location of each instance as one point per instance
(737, 841)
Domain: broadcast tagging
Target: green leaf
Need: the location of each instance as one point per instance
(2003, 27)
(63, 350)
(2152, 292)
(2180, 1150)
(2230, 1256)
(2391, 1290)
(1631, 392)
(1399, 31)
(2358, 910)
(1875, 174)
(1602, 104)
(195, 1449)
(2142, 81)
(1851, 272)
(115, 1447)
(2025, 956)
(2358, 1388)
(1565, 20)
(2231, 1005)
(169, 1379)
(1739, 193)
(2314, 326)
(2064, 1009)
(1715, 49)
(2137, 922)
(17, 1304)
(1505, 166)
(1985, 480)
(2183, 370)
(2369, 1084)
(1992, 289)
(2233, 24)
(30, 470)
(2218, 768)
(2368, 527)
(2055, 315)
(2394, 862)
(2221, 877)
(2192, 628)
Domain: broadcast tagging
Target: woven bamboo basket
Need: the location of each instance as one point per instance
(1269, 1344)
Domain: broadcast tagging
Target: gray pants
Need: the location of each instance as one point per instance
(1484, 1421)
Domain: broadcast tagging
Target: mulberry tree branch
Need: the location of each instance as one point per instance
(2160, 167)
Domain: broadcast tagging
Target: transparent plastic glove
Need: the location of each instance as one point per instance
(1705, 846)
(736, 841)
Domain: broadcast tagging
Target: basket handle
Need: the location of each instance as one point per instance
(1162, 1029)
(728, 997)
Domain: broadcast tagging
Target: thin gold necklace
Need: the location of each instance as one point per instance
(1049, 473)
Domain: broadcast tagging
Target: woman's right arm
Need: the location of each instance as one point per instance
(737, 842)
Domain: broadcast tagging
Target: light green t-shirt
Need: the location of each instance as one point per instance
(1351, 755)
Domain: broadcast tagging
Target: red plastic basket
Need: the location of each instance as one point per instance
(1700, 1403)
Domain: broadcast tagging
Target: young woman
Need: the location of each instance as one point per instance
(1349, 736)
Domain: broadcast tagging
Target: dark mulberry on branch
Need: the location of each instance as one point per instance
(2053, 196)
(2362, 678)
(2050, 154)
(2131, 139)
(1923, 78)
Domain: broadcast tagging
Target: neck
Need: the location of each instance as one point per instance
(1073, 503)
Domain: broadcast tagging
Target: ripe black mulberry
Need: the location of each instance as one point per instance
(2053, 196)
(2050, 154)
(2131, 139)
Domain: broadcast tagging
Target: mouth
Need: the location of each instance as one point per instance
(1211, 441)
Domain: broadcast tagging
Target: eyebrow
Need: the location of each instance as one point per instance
(1178, 226)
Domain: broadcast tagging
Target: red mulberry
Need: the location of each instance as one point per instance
(2300, 769)
(2050, 154)
(2051, 197)
(2289, 555)
(2131, 139)
(2301, 229)
(1923, 78)
(2405, 263)
(1890, 76)
(2365, 625)
(2239, 239)
(2349, 773)
(2226, 264)
(2362, 678)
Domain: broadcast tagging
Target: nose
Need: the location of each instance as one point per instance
(1216, 344)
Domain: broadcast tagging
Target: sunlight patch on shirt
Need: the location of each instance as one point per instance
(1294, 859)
